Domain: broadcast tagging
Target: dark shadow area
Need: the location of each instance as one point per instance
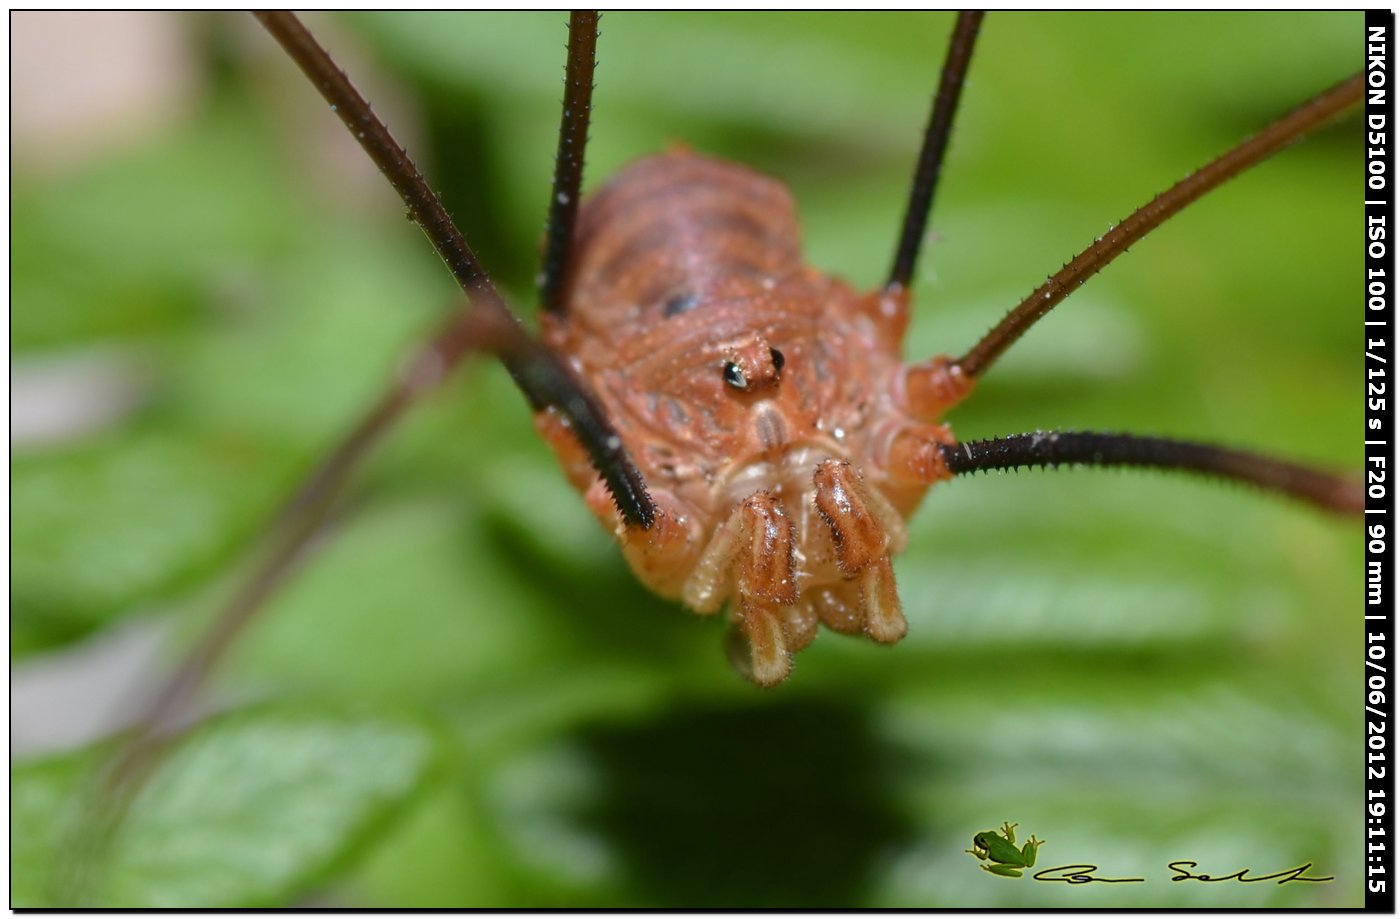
(777, 805)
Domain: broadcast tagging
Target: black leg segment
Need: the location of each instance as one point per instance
(1329, 491)
(940, 127)
(568, 161)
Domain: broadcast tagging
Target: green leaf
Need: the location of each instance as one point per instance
(253, 809)
(105, 529)
(244, 392)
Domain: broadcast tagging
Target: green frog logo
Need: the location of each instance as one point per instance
(999, 850)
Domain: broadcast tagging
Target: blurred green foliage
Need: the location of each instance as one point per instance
(1133, 667)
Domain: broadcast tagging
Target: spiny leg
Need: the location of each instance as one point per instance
(568, 159)
(891, 304)
(1291, 127)
(545, 379)
(936, 134)
(929, 388)
(1340, 494)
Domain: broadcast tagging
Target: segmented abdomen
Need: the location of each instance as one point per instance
(675, 231)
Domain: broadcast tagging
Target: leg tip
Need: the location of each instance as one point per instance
(758, 648)
(884, 617)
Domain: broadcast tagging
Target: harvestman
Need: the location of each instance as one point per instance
(742, 422)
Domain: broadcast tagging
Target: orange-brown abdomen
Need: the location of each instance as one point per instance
(672, 231)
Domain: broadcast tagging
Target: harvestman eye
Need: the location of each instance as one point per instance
(734, 375)
(680, 303)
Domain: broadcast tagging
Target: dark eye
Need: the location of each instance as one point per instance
(778, 359)
(734, 376)
(680, 303)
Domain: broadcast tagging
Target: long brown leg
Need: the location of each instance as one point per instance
(1291, 127)
(936, 134)
(288, 536)
(889, 306)
(568, 160)
(930, 388)
(545, 379)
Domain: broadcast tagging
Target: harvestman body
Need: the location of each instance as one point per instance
(764, 402)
